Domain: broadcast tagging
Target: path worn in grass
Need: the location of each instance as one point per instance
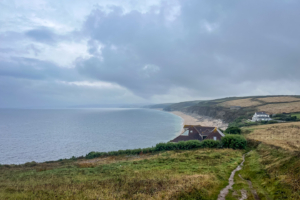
(225, 191)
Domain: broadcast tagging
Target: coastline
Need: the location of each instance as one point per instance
(194, 119)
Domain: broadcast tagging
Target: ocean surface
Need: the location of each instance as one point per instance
(50, 134)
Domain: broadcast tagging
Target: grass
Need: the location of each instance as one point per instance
(273, 171)
(296, 114)
(189, 174)
(279, 99)
(240, 102)
(284, 135)
(280, 107)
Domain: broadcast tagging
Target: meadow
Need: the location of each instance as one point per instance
(272, 168)
(179, 174)
(284, 135)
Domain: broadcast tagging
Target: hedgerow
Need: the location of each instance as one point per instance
(229, 141)
(191, 144)
(234, 142)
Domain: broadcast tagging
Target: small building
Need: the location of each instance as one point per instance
(197, 132)
(261, 116)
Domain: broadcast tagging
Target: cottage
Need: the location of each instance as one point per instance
(197, 132)
(261, 116)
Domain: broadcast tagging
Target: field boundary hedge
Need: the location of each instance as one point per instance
(229, 141)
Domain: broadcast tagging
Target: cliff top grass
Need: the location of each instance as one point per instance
(284, 135)
(181, 174)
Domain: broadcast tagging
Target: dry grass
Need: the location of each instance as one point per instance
(286, 135)
(278, 99)
(281, 107)
(169, 175)
(240, 102)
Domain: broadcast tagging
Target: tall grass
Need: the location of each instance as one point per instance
(179, 174)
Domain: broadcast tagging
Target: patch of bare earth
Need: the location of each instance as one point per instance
(280, 108)
(240, 102)
(279, 99)
(285, 135)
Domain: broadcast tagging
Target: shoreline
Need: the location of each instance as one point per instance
(194, 119)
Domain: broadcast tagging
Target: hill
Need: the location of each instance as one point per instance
(221, 108)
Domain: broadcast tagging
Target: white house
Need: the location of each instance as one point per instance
(261, 116)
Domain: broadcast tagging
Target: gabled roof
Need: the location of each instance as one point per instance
(204, 130)
(201, 130)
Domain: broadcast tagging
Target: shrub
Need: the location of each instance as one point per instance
(30, 164)
(234, 142)
(211, 144)
(233, 130)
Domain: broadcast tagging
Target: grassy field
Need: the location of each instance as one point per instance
(190, 174)
(284, 135)
(270, 105)
(280, 108)
(296, 114)
(278, 99)
(273, 166)
(240, 102)
(274, 174)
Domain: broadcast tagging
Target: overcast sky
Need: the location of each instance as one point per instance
(74, 52)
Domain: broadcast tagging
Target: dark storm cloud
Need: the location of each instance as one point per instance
(209, 45)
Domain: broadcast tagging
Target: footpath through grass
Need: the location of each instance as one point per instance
(273, 171)
(181, 174)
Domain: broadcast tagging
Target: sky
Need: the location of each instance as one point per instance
(68, 53)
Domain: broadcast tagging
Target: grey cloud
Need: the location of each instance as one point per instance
(28, 68)
(210, 45)
(43, 35)
(187, 48)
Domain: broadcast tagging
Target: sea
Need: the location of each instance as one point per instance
(51, 134)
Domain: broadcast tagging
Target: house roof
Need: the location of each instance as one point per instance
(201, 130)
(205, 131)
(183, 138)
(261, 113)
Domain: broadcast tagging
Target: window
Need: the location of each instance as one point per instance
(215, 138)
(204, 137)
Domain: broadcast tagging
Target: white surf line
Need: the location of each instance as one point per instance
(225, 191)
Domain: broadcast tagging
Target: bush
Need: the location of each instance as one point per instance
(211, 144)
(191, 144)
(233, 130)
(234, 142)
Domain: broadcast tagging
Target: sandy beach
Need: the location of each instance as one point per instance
(193, 119)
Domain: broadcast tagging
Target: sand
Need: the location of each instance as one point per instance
(194, 119)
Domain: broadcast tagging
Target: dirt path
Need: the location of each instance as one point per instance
(225, 191)
(253, 191)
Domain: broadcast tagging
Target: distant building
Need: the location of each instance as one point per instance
(197, 132)
(235, 107)
(260, 116)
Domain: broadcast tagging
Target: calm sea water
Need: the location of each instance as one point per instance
(44, 135)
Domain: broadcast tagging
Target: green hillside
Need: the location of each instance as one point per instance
(222, 108)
